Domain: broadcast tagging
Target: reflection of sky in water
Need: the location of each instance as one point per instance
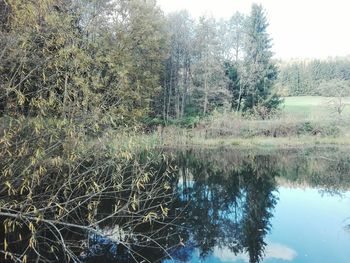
(307, 227)
(312, 225)
(273, 251)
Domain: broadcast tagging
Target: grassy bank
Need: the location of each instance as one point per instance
(303, 121)
(314, 108)
(266, 142)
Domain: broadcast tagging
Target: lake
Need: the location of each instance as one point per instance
(248, 206)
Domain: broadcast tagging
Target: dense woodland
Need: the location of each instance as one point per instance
(328, 77)
(128, 61)
(124, 61)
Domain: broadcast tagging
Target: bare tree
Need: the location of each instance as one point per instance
(337, 90)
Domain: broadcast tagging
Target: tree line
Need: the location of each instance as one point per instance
(127, 61)
(218, 64)
(329, 77)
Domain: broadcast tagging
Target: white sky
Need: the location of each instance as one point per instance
(299, 28)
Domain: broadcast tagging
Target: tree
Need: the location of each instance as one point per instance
(136, 48)
(303, 77)
(232, 35)
(337, 90)
(67, 70)
(259, 69)
(209, 75)
(177, 74)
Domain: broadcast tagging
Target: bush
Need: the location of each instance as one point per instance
(305, 128)
(54, 181)
(225, 125)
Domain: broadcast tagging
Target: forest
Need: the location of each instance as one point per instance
(91, 89)
(127, 60)
(314, 77)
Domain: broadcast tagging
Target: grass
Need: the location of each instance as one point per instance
(268, 142)
(304, 122)
(312, 108)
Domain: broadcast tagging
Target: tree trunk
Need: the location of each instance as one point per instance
(164, 100)
(205, 94)
(177, 88)
(65, 96)
(169, 93)
(239, 97)
(186, 82)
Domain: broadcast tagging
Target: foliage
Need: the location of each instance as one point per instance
(217, 65)
(54, 185)
(338, 89)
(70, 72)
(259, 70)
(63, 65)
(304, 77)
(177, 73)
(234, 84)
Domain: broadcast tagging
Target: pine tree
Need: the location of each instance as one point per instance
(259, 70)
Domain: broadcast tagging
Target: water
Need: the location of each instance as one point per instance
(227, 205)
(251, 206)
(281, 207)
(316, 231)
(306, 226)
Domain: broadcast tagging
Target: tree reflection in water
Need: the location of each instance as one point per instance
(216, 208)
(231, 194)
(216, 200)
(227, 208)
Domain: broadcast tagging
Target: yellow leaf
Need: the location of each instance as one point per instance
(5, 244)
(133, 205)
(164, 210)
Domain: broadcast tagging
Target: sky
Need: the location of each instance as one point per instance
(299, 28)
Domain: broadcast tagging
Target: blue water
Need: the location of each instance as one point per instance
(308, 226)
(317, 230)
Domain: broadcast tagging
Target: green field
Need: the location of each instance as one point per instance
(313, 108)
(304, 121)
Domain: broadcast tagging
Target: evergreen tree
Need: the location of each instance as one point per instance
(259, 70)
(304, 77)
